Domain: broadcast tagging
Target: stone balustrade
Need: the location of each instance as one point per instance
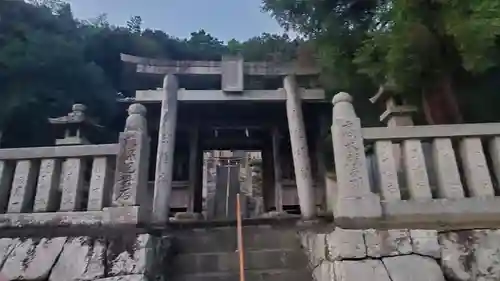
(79, 185)
(463, 163)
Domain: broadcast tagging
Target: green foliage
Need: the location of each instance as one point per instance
(134, 24)
(431, 39)
(49, 60)
(270, 47)
(43, 70)
(337, 28)
(411, 43)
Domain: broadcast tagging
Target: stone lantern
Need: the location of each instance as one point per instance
(398, 112)
(76, 126)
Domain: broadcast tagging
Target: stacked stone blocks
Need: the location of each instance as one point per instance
(131, 257)
(403, 254)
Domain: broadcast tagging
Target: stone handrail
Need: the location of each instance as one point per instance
(401, 133)
(88, 185)
(464, 174)
(49, 179)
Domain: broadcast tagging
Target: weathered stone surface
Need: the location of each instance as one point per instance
(464, 212)
(487, 255)
(355, 200)
(33, 259)
(7, 245)
(416, 173)
(127, 255)
(82, 258)
(314, 245)
(165, 154)
(188, 216)
(23, 187)
(368, 269)
(72, 183)
(471, 255)
(47, 186)
(232, 73)
(300, 151)
(345, 244)
(425, 242)
(413, 268)
(100, 184)
(136, 277)
(130, 215)
(130, 184)
(87, 219)
(388, 175)
(456, 251)
(325, 271)
(446, 169)
(475, 168)
(137, 254)
(382, 243)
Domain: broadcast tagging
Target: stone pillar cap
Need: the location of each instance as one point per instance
(79, 107)
(137, 108)
(342, 97)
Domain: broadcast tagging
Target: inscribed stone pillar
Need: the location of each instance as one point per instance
(131, 176)
(166, 146)
(354, 201)
(300, 151)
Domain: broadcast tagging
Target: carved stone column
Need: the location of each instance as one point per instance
(131, 176)
(300, 151)
(166, 147)
(355, 202)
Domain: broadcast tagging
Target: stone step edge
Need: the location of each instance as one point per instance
(181, 251)
(189, 233)
(247, 271)
(264, 250)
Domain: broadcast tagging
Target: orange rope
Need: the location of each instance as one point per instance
(240, 238)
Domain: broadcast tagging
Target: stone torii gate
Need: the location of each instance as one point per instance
(241, 105)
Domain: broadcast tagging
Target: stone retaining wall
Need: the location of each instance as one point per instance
(401, 255)
(128, 257)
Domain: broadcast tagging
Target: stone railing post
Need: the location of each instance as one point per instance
(355, 202)
(131, 176)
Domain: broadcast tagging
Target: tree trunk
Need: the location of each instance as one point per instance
(440, 103)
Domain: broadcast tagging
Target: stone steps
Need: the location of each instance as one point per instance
(254, 260)
(224, 239)
(251, 275)
(271, 253)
